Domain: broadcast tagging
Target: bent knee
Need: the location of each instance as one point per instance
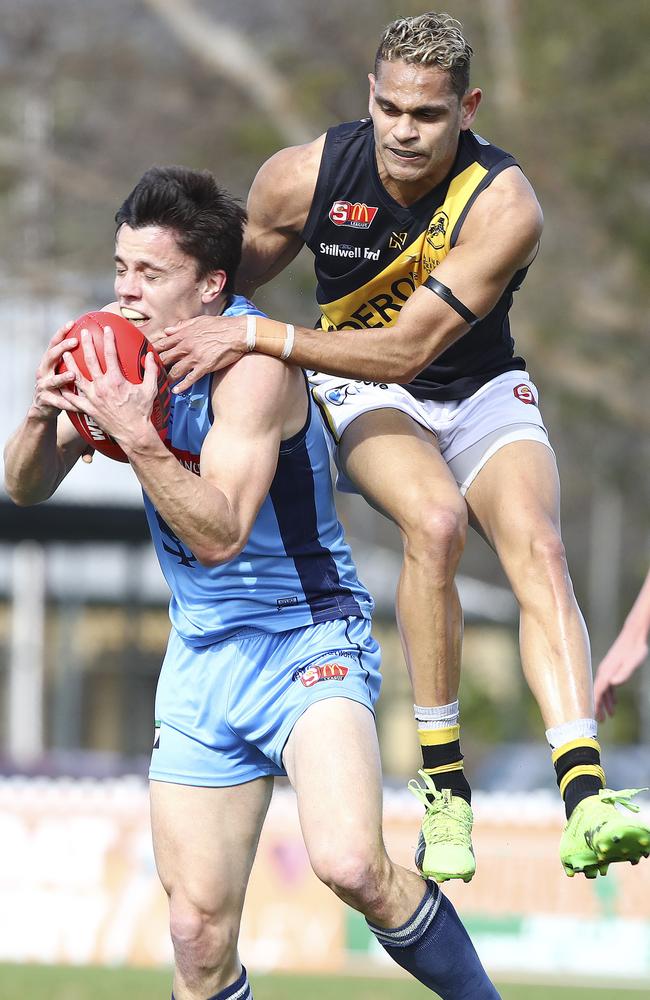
(437, 533)
(540, 552)
(538, 559)
(351, 875)
(210, 936)
(547, 549)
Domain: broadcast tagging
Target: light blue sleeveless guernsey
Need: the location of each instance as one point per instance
(296, 568)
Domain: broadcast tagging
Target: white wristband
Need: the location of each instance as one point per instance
(251, 332)
(288, 342)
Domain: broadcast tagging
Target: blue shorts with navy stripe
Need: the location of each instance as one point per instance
(224, 712)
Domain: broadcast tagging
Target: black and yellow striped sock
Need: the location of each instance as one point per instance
(579, 772)
(443, 760)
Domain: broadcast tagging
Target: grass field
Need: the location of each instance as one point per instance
(34, 982)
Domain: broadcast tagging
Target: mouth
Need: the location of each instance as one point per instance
(404, 154)
(133, 316)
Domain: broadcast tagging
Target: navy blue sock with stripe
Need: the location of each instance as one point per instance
(436, 949)
(240, 990)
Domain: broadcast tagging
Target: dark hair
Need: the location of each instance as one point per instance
(208, 223)
(429, 39)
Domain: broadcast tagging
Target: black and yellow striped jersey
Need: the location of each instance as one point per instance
(372, 253)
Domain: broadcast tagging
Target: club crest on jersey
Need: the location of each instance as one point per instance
(437, 231)
(308, 676)
(525, 394)
(356, 214)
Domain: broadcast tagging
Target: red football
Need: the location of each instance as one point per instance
(132, 347)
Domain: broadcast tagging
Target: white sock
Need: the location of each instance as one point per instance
(579, 729)
(437, 717)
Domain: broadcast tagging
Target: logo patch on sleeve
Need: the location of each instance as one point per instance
(525, 394)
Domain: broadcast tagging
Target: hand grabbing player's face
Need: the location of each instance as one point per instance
(417, 120)
(156, 283)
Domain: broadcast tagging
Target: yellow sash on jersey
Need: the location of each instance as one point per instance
(378, 302)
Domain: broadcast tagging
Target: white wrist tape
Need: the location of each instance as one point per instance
(251, 332)
(288, 342)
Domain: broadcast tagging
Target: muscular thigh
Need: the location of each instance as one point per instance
(516, 495)
(205, 839)
(332, 760)
(396, 464)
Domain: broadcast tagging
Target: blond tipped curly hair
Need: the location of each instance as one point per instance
(431, 40)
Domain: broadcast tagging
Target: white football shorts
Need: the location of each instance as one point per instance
(469, 431)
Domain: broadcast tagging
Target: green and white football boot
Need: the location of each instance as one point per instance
(444, 848)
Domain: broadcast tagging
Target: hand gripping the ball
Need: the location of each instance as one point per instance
(117, 407)
(129, 353)
(48, 400)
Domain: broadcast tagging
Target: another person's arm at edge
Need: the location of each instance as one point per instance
(628, 651)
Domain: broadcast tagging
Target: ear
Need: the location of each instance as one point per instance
(212, 286)
(371, 98)
(469, 107)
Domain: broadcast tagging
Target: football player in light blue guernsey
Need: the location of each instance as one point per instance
(270, 667)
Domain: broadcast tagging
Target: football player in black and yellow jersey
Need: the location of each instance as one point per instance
(422, 231)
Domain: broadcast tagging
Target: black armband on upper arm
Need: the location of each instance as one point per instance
(448, 296)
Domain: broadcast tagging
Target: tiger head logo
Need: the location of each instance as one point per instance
(437, 231)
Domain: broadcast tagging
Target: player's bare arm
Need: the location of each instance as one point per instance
(257, 403)
(212, 513)
(43, 450)
(499, 236)
(278, 206)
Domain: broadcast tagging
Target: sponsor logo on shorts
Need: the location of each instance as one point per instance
(286, 602)
(339, 394)
(308, 676)
(356, 214)
(525, 394)
(345, 250)
(156, 735)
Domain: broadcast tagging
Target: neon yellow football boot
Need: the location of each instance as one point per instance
(444, 848)
(597, 834)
